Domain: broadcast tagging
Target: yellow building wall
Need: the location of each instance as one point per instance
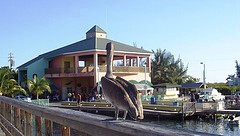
(89, 62)
(68, 59)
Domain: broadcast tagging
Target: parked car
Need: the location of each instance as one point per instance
(23, 98)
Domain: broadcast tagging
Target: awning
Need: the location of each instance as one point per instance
(141, 87)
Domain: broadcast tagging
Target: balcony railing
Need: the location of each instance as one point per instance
(59, 70)
(116, 69)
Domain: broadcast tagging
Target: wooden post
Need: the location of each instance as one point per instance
(38, 126)
(17, 118)
(48, 127)
(65, 130)
(183, 111)
(9, 117)
(28, 124)
(2, 108)
(22, 122)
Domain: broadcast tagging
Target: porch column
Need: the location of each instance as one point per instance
(95, 61)
(76, 63)
(137, 61)
(124, 60)
(149, 64)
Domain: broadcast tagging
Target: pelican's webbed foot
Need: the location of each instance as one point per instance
(125, 114)
(116, 113)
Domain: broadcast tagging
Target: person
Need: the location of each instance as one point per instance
(73, 97)
(69, 96)
(197, 97)
(192, 97)
(79, 97)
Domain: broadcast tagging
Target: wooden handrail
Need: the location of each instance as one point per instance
(86, 123)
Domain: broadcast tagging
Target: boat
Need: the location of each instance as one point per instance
(211, 94)
(232, 120)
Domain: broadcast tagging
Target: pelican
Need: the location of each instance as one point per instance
(119, 92)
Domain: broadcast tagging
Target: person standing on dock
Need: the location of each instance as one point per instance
(193, 97)
(79, 97)
(197, 97)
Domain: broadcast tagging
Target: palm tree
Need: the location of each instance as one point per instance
(13, 89)
(8, 85)
(38, 86)
(166, 70)
(4, 77)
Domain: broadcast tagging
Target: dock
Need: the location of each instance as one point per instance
(184, 109)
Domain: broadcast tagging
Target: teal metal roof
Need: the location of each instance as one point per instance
(84, 45)
(102, 42)
(96, 29)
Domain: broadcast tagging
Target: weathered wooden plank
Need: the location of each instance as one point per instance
(22, 121)
(48, 127)
(38, 126)
(65, 131)
(9, 128)
(17, 117)
(28, 124)
(2, 107)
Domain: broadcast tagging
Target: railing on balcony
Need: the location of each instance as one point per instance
(117, 69)
(126, 69)
(85, 69)
(59, 70)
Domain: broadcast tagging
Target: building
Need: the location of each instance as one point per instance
(79, 66)
(188, 88)
(166, 91)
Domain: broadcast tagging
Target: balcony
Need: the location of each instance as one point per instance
(89, 71)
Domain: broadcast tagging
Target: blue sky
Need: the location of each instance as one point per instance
(196, 31)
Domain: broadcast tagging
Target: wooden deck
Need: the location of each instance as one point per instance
(162, 108)
(149, 109)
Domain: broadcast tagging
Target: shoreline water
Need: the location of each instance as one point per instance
(196, 124)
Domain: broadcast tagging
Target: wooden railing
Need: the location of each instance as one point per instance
(188, 109)
(18, 118)
(126, 69)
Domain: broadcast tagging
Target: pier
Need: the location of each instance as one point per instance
(161, 109)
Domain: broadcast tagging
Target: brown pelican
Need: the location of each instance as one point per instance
(119, 92)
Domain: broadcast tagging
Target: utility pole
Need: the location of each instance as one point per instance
(11, 61)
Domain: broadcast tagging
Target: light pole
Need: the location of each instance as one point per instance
(98, 84)
(145, 80)
(204, 78)
(98, 70)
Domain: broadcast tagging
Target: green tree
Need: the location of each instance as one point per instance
(165, 69)
(224, 88)
(4, 77)
(12, 89)
(191, 79)
(38, 86)
(8, 85)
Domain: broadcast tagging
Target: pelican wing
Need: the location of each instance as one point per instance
(133, 94)
(129, 87)
(115, 93)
